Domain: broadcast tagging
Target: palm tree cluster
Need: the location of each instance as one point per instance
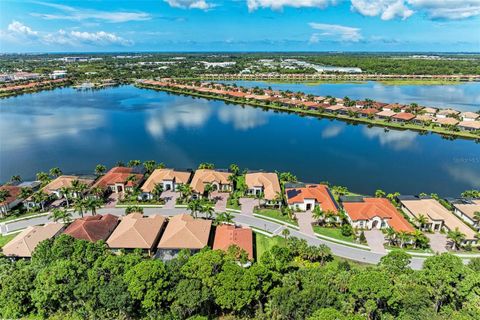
(401, 239)
(202, 206)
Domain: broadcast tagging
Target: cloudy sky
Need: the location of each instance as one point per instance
(239, 25)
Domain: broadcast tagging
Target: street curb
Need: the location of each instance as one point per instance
(276, 220)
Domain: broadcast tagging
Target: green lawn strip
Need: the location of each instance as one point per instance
(21, 216)
(335, 235)
(375, 122)
(5, 239)
(409, 250)
(263, 243)
(139, 204)
(275, 214)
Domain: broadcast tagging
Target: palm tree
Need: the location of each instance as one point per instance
(209, 188)
(133, 163)
(318, 215)
(157, 191)
(391, 236)
(93, 204)
(78, 188)
(224, 217)
(4, 194)
(422, 221)
(65, 192)
(476, 217)
(380, 194)
(61, 214)
(457, 237)
(25, 192)
(235, 169)
(79, 206)
(100, 169)
(43, 177)
(285, 233)
(40, 197)
(16, 179)
(194, 206)
(419, 239)
(149, 166)
(120, 164)
(207, 210)
(185, 190)
(56, 172)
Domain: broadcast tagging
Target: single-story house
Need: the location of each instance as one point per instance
(137, 232)
(170, 179)
(403, 117)
(429, 111)
(118, 179)
(423, 118)
(465, 209)
(304, 197)
(378, 105)
(25, 242)
(217, 178)
(469, 125)
(12, 199)
(469, 116)
(443, 122)
(396, 107)
(310, 105)
(266, 184)
(365, 113)
(438, 216)
(183, 232)
(55, 186)
(385, 114)
(227, 235)
(446, 113)
(334, 108)
(92, 228)
(374, 213)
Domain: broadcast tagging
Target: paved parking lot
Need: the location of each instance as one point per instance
(247, 205)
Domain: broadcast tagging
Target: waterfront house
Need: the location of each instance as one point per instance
(12, 199)
(92, 228)
(469, 125)
(137, 232)
(304, 197)
(447, 113)
(183, 232)
(264, 184)
(423, 119)
(55, 186)
(393, 107)
(219, 180)
(429, 111)
(469, 116)
(385, 115)
(367, 112)
(446, 122)
(23, 245)
(403, 117)
(334, 108)
(465, 209)
(374, 213)
(378, 105)
(438, 217)
(170, 179)
(310, 105)
(227, 235)
(119, 179)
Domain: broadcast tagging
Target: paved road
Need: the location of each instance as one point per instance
(245, 220)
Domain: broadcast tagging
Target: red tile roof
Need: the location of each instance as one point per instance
(319, 192)
(406, 116)
(92, 228)
(227, 235)
(368, 111)
(13, 192)
(377, 207)
(117, 175)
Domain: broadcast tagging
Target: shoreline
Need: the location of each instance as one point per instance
(370, 122)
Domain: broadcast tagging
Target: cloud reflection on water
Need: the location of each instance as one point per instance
(397, 140)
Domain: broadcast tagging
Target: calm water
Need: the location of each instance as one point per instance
(464, 96)
(77, 130)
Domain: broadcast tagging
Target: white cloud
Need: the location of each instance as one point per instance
(386, 9)
(79, 14)
(17, 31)
(190, 4)
(448, 9)
(330, 31)
(279, 4)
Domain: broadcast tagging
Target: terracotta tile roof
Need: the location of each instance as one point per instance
(377, 207)
(13, 191)
(368, 111)
(117, 175)
(160, 175)
(237, 94)
(448, 112)
(447, 121)
(26, 241)
(424, 118)
(470, 115)
(64, 181)
(136, 231)
(185, 232)
(335, 107)
(92, 228)
(406, 116)
(267, 180)
(434, 211)
(392, 106)
(470, 124)
(386, 113)
(204, 176)
(430, 110)
(319, 192)
(310, 104)
(227, 235)
(469, 209)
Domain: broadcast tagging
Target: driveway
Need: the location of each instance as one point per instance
(375, 240)
(305, 221)
(221, 198)
(170, 198)
(112, 200)
(438, 242)
(247, 205)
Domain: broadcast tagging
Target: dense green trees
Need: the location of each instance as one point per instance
(74, 279)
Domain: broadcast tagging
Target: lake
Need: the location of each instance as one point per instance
(75, 130)
(464, 96)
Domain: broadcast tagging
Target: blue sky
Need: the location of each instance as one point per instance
(240, 25)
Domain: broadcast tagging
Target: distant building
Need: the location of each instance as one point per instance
(58, 74)
(119, 179)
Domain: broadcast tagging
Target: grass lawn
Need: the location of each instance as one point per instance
(23, 215)
(276, 214)
(5, 239)
(408, 249)
(335, 233)
(264, 243)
